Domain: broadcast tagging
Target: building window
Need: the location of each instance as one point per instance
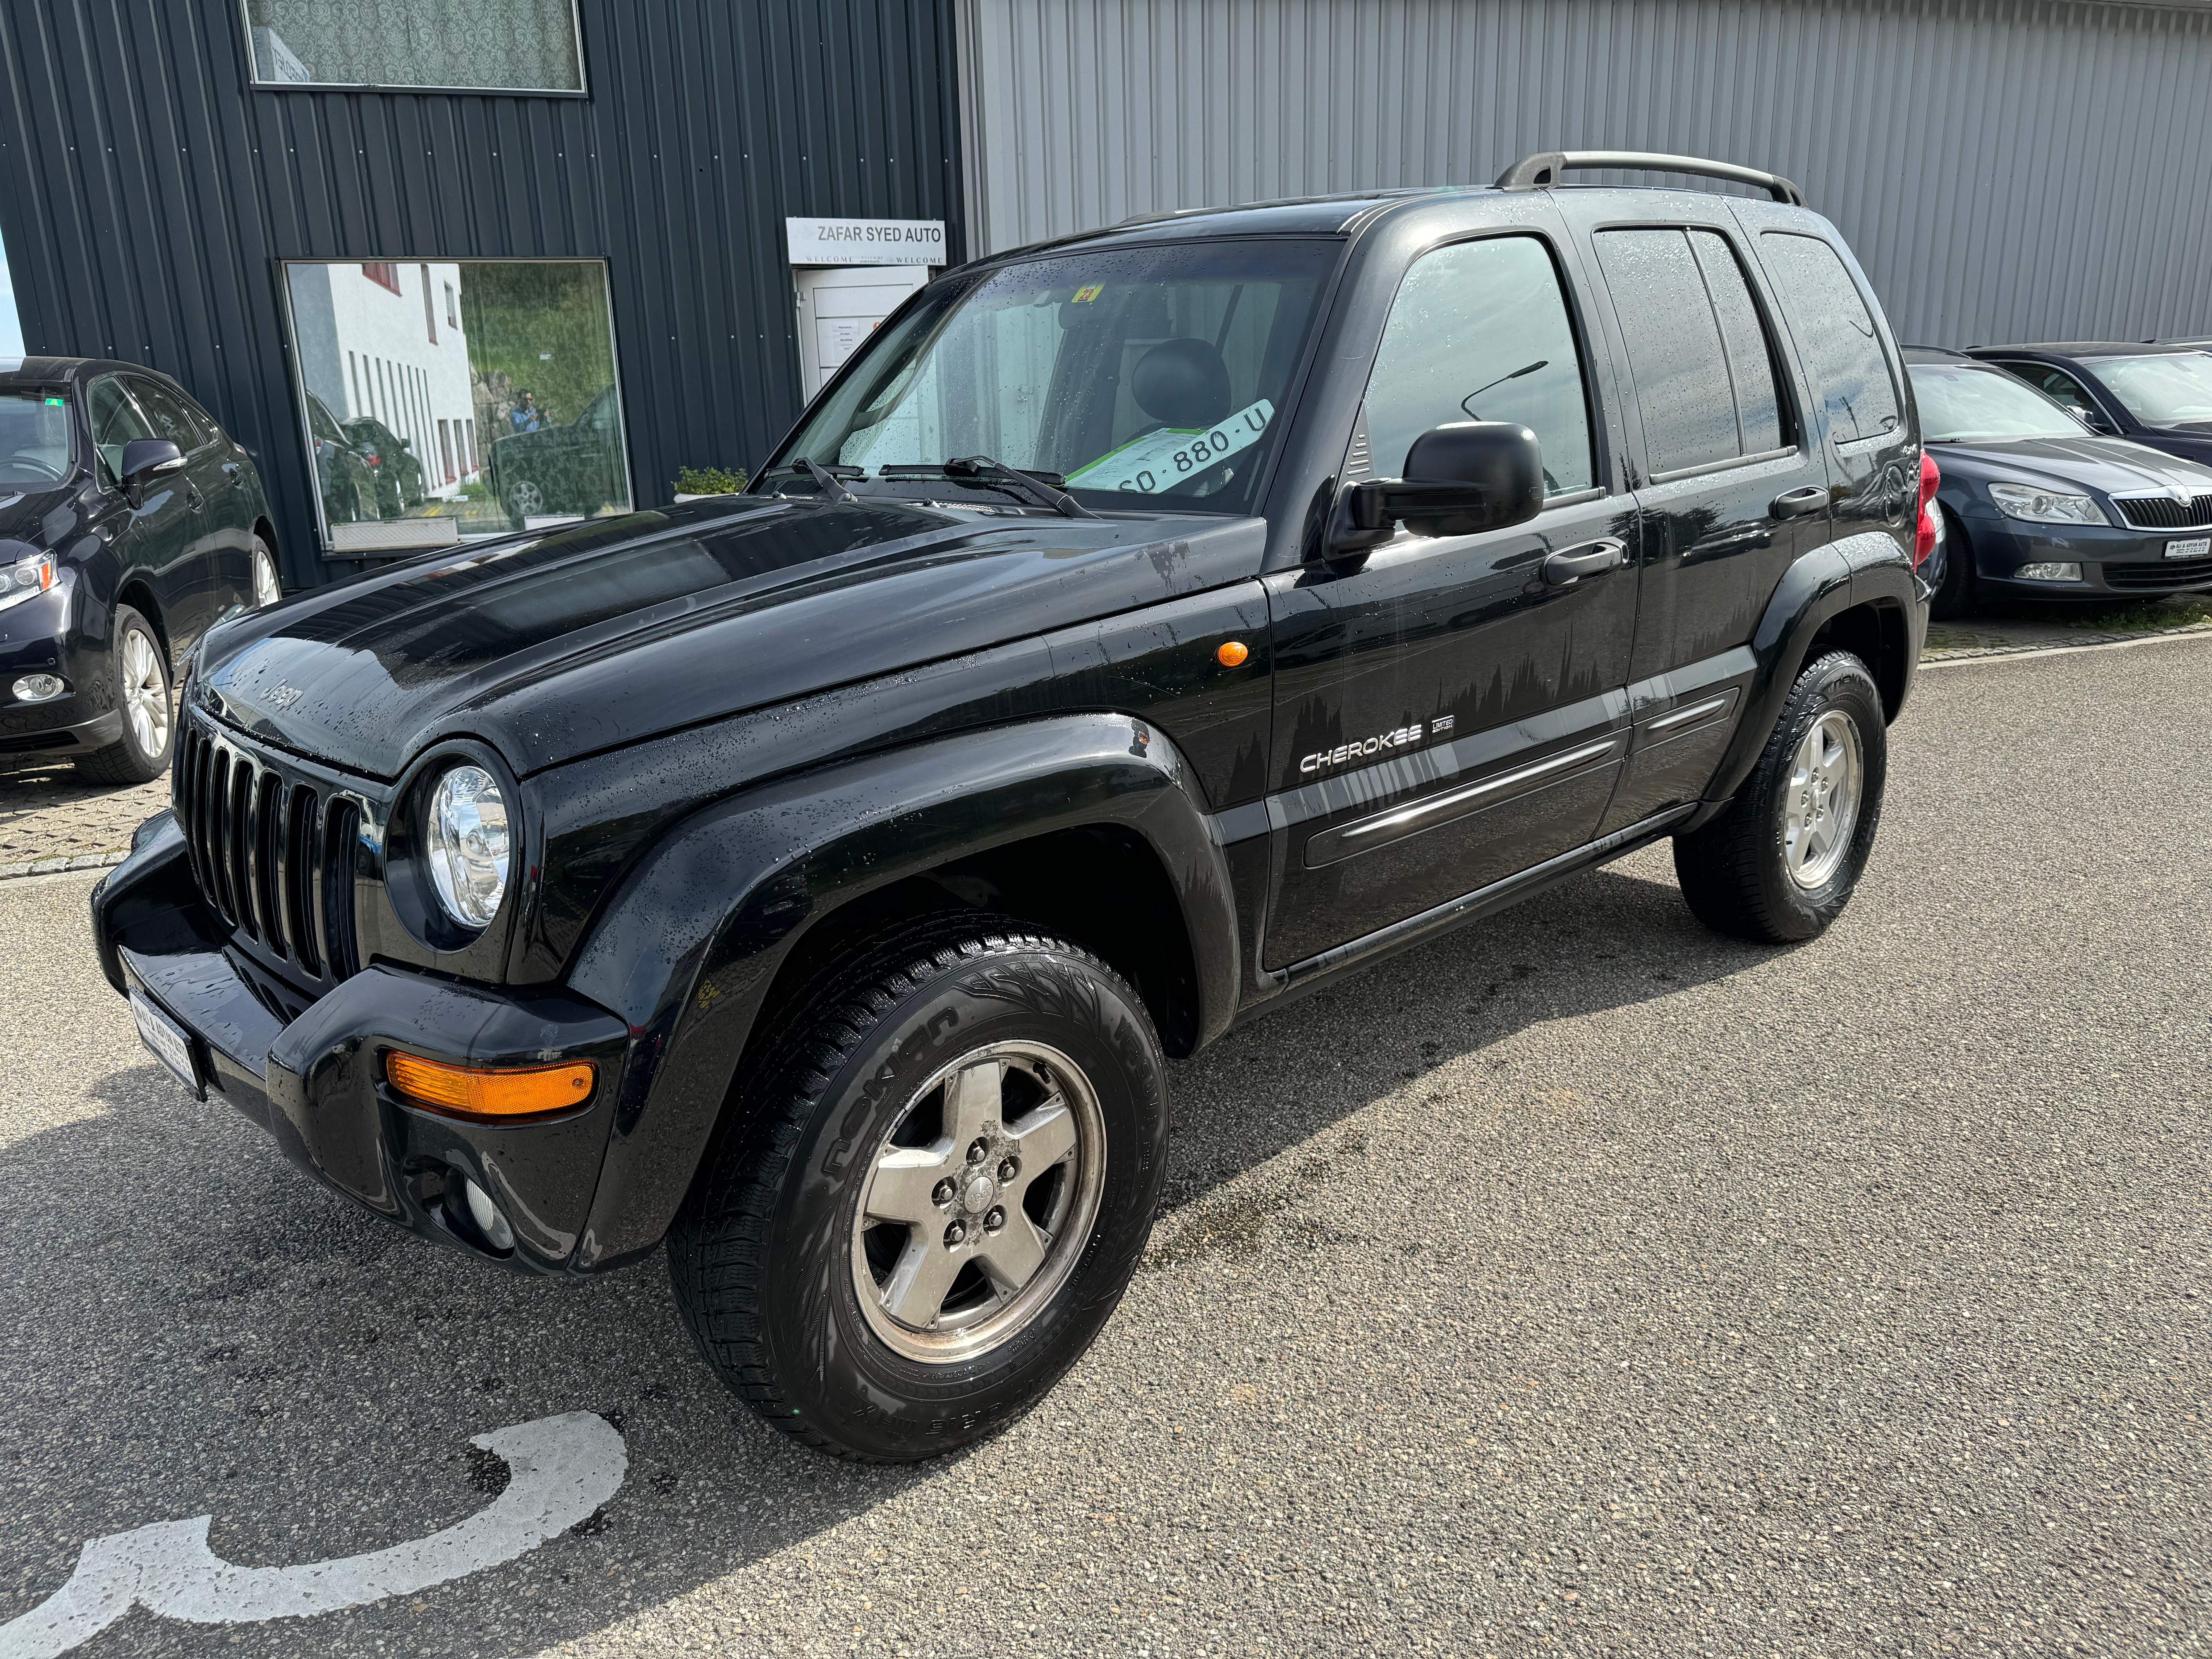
(383, 273)
(390, 413)
(429, 306)
(489, 45)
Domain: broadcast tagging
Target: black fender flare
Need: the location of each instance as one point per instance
(1869, 568)
(688, 948)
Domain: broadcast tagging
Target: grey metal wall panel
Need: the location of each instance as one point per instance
(148, 190)
(2003, 169)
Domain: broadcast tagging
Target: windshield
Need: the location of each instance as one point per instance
(1962, 404)
(35, 439)
(1140, 377)
(2171, 390)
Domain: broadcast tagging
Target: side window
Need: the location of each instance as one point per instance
(2057, 385)
(202, 423)
(1836, 332)
(115, 422)
(1480, 332)
(1704, 376)
(166, 414)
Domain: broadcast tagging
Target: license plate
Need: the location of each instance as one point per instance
(2196, 548)
(171, 1043)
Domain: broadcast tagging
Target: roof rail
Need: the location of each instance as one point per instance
(1542, 170)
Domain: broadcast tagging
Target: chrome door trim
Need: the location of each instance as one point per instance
(1332, 845)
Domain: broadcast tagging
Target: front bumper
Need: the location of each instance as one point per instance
(312, 1072)
(35, 638)
(2116, 562)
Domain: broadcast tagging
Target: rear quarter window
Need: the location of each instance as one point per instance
(1836, 333)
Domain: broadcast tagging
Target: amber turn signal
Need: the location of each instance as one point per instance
(1232, 654)
(466, 1092)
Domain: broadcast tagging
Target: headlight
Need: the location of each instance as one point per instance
(26, 579)
(2045, 506)
(467, 837)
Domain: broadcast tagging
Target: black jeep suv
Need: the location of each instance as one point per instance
(1142, 629)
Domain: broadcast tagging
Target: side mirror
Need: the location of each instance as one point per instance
(145, 459)
(2097, 421)
(1467, 477)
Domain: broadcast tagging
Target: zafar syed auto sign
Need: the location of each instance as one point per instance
(866, 241)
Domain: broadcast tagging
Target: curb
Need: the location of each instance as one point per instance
(2018, 653)
(55, 867)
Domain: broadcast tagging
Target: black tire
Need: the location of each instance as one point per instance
(764, 1252)
(1954, 594)
(127, 760)
(1734, 871)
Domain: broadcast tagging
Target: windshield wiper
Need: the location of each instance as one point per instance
(830, 484)
(982, 469)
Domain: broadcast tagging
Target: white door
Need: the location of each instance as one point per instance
(838, 305)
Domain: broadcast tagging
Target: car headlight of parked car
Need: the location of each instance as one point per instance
(26, 579)
(467, 837)
(2045, 506)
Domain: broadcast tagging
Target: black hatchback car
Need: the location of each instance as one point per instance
(2038, 506)
(2160, 395)
(130, 523)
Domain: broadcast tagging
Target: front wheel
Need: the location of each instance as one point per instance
(1782, 862)
(268, 589)
(142, 697)
(935, 1195)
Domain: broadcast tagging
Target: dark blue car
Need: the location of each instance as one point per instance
(2155, 394)
(2038, 506)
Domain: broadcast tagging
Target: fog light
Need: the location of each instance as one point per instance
(40, 688)
(485, 1213)
(2049, 573)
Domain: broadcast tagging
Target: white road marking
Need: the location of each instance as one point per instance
(559, 1470)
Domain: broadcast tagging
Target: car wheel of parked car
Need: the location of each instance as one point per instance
(1780, 863)
(524, 500)
(934, 1194)
(1954, 594)
(267, 588)
(142, 697)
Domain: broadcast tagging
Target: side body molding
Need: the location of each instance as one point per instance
(1860, 570)
(689, 947)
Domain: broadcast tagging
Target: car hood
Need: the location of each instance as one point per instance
(553, 647)
(2107, 466)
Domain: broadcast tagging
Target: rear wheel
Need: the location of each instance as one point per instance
(267, 587)
(142, 697)
(1782, 860)
(937, 1195)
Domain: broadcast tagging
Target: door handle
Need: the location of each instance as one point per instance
(1591, 559)
(193, 499)
(1799, 503)
(232, 470)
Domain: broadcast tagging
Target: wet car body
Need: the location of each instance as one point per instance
(2156, 506)
(181, 555)
(734, 730)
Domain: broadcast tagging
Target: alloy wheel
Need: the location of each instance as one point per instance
(1820, 807)
(524, 499)
(267, 590)
(145, 693)
(979, 1201)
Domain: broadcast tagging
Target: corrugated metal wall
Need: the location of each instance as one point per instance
(2004, 169)
(147, 192)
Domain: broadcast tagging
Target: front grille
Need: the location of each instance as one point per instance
(271, 849)
(2163, 575)
(2165, 511)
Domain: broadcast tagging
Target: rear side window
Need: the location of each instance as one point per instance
(168, 415)
(1480, 332)
(2057, 385)
(1704, 373)
(1837, 334)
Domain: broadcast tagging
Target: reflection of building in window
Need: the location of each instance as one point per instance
(393, 401)
(511, 45)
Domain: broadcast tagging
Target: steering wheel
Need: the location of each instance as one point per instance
(25, 457)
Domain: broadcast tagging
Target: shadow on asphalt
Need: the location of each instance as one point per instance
(197, 1328)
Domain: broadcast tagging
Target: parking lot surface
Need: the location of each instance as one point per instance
(1585, 1283)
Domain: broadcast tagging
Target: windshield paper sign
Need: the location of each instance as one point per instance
(1160, 460)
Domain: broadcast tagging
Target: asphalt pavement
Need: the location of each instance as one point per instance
(1582, 1284)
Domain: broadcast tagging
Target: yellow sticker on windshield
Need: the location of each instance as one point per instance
(1084, 296)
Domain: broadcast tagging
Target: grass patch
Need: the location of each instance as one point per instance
(2152, 616)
